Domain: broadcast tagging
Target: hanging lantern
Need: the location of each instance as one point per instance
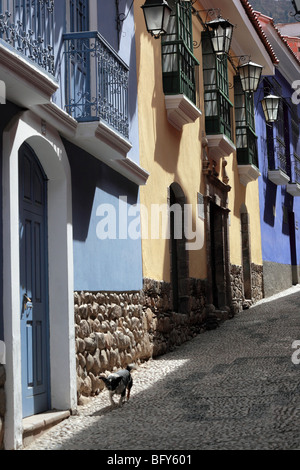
(270, 105)
(221, 32)
(250, 74)
(157, 14)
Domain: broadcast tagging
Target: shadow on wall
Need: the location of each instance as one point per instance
(89, 174)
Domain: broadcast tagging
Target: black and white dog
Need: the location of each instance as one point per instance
(117, 383)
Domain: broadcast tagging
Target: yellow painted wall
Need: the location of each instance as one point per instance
(172, 156)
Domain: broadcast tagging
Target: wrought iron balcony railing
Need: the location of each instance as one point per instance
(295, 168)
(28, 27)
(96, 81)
(277, 156)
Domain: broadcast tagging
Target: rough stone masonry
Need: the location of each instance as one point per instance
(113, 330)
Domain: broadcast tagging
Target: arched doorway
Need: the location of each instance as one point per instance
(178, 252)
(33, 283)
(52, 157)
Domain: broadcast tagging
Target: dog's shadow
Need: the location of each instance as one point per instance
(103, 411)
(107, 409)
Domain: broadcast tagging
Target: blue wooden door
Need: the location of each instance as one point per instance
(33, 284)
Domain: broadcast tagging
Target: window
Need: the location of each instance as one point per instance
(246, 139)
(216, 90)
(79, 15)
(277, 138)
(178, 62)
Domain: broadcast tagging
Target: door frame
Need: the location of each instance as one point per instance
(26, 151)
(217, 194)
(26, 127)
(179, 256)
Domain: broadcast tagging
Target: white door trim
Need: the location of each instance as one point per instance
(49, 148)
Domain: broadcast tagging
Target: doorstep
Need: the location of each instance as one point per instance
(34, 426)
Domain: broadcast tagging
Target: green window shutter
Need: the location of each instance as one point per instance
(179, 65)
(246, 139)
(216, 90)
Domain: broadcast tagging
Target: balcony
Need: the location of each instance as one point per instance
(97, 94)
(180, 83)
(278, 168)
(97, 81)
(293, 187)
(218, 124)
(247, 156)
(26, 51)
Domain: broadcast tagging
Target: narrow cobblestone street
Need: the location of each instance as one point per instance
(233, 388)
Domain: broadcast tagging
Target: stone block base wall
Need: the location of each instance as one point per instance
(237, 287)
(116, 329)
(257, 279)
(2, 405)
(168, 328)
(113, 330)
(277, 277)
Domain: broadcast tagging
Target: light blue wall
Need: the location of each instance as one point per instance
(110, 265)
(123, 44)
(102, 264)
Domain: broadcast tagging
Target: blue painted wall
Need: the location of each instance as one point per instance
(275, 202)
(110, 264)
(102, 264)
(123, 44)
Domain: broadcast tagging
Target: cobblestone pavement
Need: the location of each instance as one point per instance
(233, 388)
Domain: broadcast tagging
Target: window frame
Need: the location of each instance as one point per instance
(218, 117)
(179, 65)
(246, 138)
(79, 15)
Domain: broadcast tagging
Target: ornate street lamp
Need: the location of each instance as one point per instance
(270, 105)
(250, 74)
(221, 32)
(157, 14)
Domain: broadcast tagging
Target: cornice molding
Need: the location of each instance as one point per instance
(26, 84)
(181, 110)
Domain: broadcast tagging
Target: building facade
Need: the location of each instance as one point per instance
(278, 153)
(201, 153)
(133, 190)
(70, 171)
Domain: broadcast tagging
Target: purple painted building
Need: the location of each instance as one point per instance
(279, 164)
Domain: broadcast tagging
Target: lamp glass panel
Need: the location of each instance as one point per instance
(154, 18)
(250, 76)
(270, 106)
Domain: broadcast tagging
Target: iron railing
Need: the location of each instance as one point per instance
(96, 81)
(295, 168)
(28, 27)
(277, 156)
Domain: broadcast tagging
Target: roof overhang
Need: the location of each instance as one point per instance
(289, 66)
(246, 40)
